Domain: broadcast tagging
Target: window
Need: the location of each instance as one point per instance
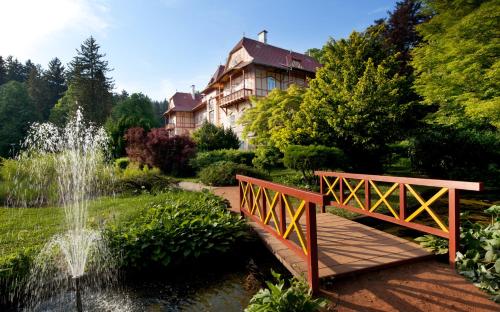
(232, 120)
(271, 83)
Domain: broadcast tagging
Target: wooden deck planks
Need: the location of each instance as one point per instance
(345, 247)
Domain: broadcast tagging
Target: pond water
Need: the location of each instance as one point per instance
(229, 292)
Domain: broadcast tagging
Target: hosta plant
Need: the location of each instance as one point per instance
(434, 244)
(281, 298)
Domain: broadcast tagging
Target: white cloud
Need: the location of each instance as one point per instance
(27, 24)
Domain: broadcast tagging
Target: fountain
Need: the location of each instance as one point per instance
(77, 258)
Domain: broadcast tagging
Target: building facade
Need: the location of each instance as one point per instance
(253, 68)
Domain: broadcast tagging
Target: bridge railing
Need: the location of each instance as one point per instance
(271, 205)
(369, 194)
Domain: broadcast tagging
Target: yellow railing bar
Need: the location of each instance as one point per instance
(271, 210)
(244, 200)
(330, 188)
(256, 202)
(353, 193)
(293, 223)
(425, 206)
(383, 198)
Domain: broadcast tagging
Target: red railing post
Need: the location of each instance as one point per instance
(263, 201)
(282, 213)
(453, 225)
(312, 247)
(240, 183)
(402, 201)
(367, 195)
(321, 190)
(341, 190)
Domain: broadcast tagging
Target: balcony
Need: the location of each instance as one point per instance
(236, 97)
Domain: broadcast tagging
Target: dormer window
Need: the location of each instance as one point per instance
(296, 63)
(271, 83)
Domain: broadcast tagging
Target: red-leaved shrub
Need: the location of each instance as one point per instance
(171, 154)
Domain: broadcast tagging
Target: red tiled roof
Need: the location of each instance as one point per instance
(183, 102)
(265, 54)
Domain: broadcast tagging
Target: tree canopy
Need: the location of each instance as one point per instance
(17, 111)
(210, 137)
(457, 65)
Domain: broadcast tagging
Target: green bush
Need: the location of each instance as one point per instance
(480, 261)
(186, 226)
(204, 159)
(456, 153)
(210, 137)
(224, 173)
(278, 298)
(306, 159)
(122, 163)
(434, 244)
(267, 158)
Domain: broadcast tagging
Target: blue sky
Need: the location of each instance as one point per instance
(160, 46)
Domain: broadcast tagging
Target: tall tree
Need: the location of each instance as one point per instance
(457, 65)
(354, 101)
(91, 87)
(38, 92)
(14, 69)
(16, 112)
(54, 76)
(133, 111)
(3, 71)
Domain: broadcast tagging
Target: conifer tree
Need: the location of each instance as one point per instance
(3, 71)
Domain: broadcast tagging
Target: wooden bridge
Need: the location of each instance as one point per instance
(330, 245)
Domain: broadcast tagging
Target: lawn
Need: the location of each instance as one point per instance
(26, 228)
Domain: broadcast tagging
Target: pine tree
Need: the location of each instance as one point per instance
(56, 83)
(38, 92)
(91, 86)
(14, 69)
(3, 71)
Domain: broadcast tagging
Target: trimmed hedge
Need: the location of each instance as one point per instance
(223, 173)
(204, 159)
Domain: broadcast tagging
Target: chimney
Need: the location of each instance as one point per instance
(263, 36)
(193, 92)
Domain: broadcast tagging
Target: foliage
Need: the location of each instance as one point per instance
(481, 260)
(457, 66)
(204, 159)
(16, 112)
(122, 163)
(133, 111)
(171, 154)
(437, 245)
(269, 121)
(210, 137)
(355, 101)
(90, 87)
(279, 298)
(186, 225)
(306, 159)
(224, 173)
(456, 152)
(267, 158)
(31, 181)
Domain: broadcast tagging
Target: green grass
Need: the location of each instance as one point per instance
(26, 228)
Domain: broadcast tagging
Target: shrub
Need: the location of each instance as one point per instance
(204, 159)
(122, 163)
(480, 261)
(434, 244)
(186, 226)
(278, 298)
(224, 173)
(456, 153)
(171, 154)
(267, 158)
(306, 159)
(151, 183)
(209, 137)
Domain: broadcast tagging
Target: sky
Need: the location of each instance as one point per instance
(158, 47)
